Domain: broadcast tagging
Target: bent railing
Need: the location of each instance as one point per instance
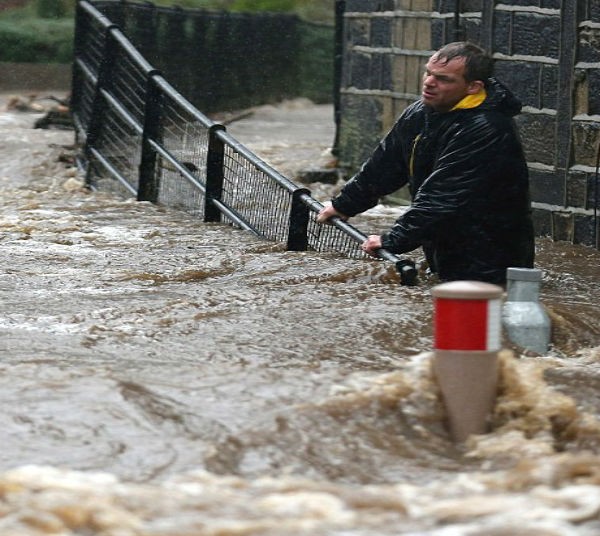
(141, 138)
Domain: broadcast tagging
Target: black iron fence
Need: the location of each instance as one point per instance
(142, 138)
(221, 60)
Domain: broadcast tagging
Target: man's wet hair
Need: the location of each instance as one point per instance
(479, 65)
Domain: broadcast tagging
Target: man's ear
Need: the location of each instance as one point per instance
(475, 87)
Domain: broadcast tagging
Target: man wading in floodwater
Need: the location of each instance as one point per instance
(458, 150)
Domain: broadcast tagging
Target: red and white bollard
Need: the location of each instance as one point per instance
(467, 339)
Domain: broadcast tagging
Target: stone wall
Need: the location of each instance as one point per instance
(547, 51)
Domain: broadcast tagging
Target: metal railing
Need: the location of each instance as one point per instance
(142, 138)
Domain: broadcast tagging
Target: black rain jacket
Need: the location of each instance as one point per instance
(469, 184)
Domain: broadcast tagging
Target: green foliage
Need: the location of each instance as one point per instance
(36, 41)
(50, 9)
(263, 5)
(311, 10)
(316, 62)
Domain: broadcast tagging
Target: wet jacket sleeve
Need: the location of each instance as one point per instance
(460, 175)
(383, 173)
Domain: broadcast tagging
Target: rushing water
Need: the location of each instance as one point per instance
(161, 376)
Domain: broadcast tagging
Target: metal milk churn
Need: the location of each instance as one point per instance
(525, 320)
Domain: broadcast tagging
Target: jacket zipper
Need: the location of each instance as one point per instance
(411, 163)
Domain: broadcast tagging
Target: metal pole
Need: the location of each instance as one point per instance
(214, 174)
(340, 8)
(148, 180)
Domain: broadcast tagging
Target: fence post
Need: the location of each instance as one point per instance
(214, 173)
(98, 107)
(338, 63)
(77, 88)
(298, 224)
(148, 183)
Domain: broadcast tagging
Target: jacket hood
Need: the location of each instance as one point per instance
(500, 98)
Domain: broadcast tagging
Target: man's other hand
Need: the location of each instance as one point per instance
(371, 245)
(329, 212)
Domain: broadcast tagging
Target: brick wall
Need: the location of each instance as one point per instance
(547, 51)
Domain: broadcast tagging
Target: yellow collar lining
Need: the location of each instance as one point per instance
(471, 101)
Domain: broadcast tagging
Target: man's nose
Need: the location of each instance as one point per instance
(428, 80)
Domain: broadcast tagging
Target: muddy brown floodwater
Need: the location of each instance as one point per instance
(162, 376)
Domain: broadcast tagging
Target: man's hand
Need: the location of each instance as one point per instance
(371, 245)
(329, 212)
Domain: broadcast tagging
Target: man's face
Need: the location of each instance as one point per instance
(444, 83)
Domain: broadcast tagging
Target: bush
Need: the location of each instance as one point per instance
(37, 41)
(263, 5)
(51, 9)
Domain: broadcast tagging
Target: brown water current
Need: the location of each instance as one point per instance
(162, 376)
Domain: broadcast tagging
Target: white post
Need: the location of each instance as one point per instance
(467, 330)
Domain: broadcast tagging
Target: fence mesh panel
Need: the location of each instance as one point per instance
(253, 193)
(185, 135)
(118, 136)
(326, 238)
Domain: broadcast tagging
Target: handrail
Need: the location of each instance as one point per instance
(405, 267)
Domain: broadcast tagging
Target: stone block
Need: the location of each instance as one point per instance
(538, 132)
(585, 230)
(523, 79)
(360, 129)
(586, 137)
(388, 116)
(404, 5)
(501, 36)
(593, 76)
(360, 6)
(360, 70)
(423, 29)
(580, 92)
(445, 6)
(547, 187)
(563, 225)
(471, 6)
(592, 197)
(375, 73)
(551, 4)
(524, 3)
(542, 222)
(535, 34)
(386, 81)
(438, 33)
(405, 35)
(399, 73)
(576, 189)
(549, 87)
(358, 31)
(421, 5)
(381, 72)
(381, 32)
(471, 28)
(414, 74)
(369, 6)
(589, 44)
